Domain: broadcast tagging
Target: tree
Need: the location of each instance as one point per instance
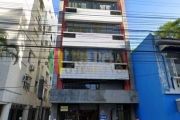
(171, 29)
(7, 49)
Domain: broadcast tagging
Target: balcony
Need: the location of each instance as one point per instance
(93, 15)
(93, 96)
(93, 40)
(93, 70)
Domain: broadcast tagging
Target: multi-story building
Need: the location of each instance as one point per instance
(93, 75)
(156, 63)
(29, 24)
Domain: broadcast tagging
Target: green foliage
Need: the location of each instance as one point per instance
(6, 49)
(171, 29)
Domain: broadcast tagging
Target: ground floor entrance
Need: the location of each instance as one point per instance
(93, 112)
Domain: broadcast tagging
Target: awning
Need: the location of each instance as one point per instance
(168, 45)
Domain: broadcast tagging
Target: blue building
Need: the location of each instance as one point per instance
(156, 64)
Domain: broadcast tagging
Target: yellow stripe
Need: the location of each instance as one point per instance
(60, 59)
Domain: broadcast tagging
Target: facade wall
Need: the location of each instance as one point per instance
(151, 84)
(92, 15)
(111, 90)
(93, 70)
(22, 21)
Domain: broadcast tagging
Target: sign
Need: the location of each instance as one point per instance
(103, 116)
(64, 108)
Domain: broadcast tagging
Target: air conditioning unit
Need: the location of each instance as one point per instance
(31, 68)
(46, 42)
(25, 77)
(46, 63)
(40, 28)
(49, 28)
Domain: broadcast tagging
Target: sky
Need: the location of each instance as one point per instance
(145, 16)
(56, 6)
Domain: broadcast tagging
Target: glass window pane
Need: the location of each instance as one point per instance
(89, 5)
(89, 28)
(69, 27)
(114, 6)
(116, 29)
(75, 4)
(83, 27)
(93, 86)
(83, 5)
(88, 86)
(79, 4)
(109, 29)
(76, 27)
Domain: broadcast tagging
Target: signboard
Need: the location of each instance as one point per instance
(103, 116)
(64, 108)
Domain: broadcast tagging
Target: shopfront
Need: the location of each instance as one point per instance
(79, 112)
(94, 112)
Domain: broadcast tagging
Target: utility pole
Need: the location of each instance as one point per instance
(40, 113)
(40, 96)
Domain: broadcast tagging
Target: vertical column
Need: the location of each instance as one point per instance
(54, 110)
(5, 111)
(122, 29)
(59, 81)
(25, 113)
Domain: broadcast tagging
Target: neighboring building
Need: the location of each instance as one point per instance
(156, 64)
(91, 79)
(27, 23)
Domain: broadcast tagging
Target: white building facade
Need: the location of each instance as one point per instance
(94, 79)
(32, 25)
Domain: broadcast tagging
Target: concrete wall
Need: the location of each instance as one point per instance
(92, 15)
(150, 83)
(95, 40)
(93, 96)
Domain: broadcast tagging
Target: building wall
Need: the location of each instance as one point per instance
(154, 104)
(22, 15)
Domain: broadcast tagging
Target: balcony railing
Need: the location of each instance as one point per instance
(26, 86)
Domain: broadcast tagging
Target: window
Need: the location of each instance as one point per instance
(92, 27)
(29, 57)
(93, 5)
(71, 10)
(92, 86)
(27, 84)
(88, 55)
(119, 67)
(70, 35)
(174, 65)
(115, 13)
(123, 112)
(117, 37)
(68, 65)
